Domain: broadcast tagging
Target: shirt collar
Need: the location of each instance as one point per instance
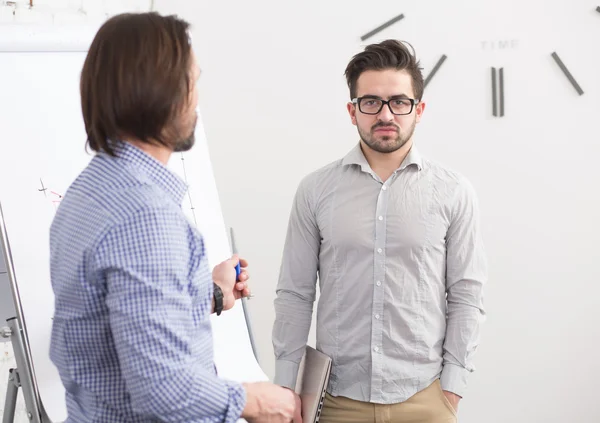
(148, 167)
(357, 157)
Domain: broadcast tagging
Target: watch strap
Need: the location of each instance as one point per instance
(218, 297)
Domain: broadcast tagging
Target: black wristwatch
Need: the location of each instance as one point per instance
(218, 297)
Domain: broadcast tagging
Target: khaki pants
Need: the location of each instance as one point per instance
(428, 406)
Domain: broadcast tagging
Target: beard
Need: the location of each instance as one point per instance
(186, 143)
(386, 143)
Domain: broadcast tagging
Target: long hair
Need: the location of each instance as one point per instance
(136, 79)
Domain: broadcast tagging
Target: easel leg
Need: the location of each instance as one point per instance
(22, 376)
(12, 390)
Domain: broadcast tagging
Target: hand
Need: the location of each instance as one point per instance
(224, 276)
(269, 402)
(298, 413)
(453, 399)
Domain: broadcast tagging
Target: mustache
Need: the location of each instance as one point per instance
(385, 125)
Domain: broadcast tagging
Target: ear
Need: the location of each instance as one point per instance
(352, 112)
(419, 109)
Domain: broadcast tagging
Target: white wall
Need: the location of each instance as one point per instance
(273, 99)
(273, 104)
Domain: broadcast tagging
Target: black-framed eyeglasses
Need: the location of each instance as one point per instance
(373, 105)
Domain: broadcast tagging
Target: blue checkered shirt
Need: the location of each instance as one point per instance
(131, 336)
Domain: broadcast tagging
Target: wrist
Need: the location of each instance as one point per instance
(251, 408)
(227, 290)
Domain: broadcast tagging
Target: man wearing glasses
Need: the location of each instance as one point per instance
(395, 241)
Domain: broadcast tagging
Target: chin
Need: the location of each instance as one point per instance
(185, 145)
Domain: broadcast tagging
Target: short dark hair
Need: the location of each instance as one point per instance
(388, 54)
(135, 79)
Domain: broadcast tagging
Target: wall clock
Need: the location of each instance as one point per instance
(497, 81)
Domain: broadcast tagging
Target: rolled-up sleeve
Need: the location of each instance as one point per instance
(296, 289)
(466, 274)
(153, 319)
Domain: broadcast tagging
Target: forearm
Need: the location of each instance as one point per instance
(192, 394)
(290, 335)
(465, 317)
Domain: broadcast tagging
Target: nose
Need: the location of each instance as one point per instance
(385, 115)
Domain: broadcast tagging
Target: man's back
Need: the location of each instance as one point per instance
(119, 245)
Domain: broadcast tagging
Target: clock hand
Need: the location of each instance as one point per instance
(498, 92)
(562, 67)
(434, 70)
(501, 89)
(382, 27)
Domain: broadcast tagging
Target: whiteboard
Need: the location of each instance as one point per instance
(41, 153)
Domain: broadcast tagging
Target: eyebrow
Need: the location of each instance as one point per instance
(390, 97)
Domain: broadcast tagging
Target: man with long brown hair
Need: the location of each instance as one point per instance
(395, 241)
(131, 334)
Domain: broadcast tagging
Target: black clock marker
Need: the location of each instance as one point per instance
(598, 9)
(501, 86)
(563, 68)
(498, 92)
(382, 27)
(434, 70)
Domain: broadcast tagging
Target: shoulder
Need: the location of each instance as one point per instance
(455, 191)
(315, 182)
(121, 192)
(453, 181)
(107, 198)
(444, 173)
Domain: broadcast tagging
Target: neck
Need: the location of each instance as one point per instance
(158, 151)
(385, 164)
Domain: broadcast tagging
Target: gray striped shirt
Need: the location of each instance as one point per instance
(401, 268)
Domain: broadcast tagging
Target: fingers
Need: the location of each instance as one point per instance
(242, 290)
(297, 417)
(298, 412)
(235, 259)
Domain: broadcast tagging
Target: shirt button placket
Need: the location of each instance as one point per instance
(379, 273)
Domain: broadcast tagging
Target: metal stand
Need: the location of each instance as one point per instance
(234, 250)
(250, 333)
(23, 376)
(20, 377)
(12, 389)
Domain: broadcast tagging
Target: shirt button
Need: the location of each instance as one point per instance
(380, 218)
(376, 349)
(384, 187)
(378, 283)
(377, 316)
(379, 250)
